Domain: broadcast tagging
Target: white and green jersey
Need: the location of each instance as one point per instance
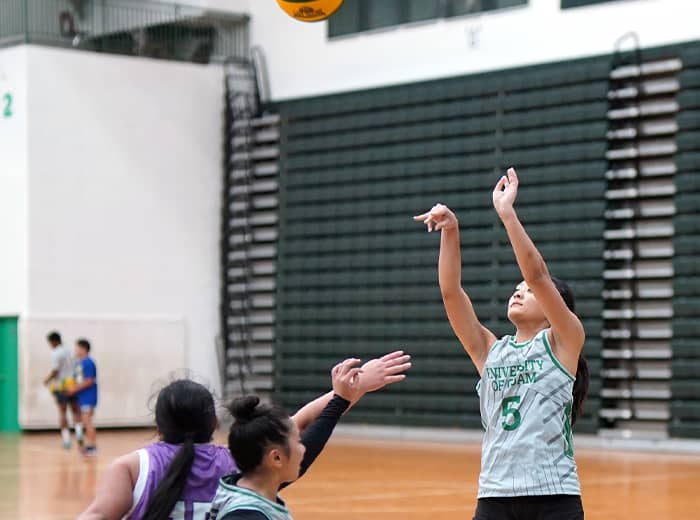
(525, 400)
(230, 498)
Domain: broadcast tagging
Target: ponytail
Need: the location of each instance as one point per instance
(170, 488)
(580, 390)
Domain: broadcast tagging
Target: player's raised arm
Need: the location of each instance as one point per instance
(475, 338)
(567, 331)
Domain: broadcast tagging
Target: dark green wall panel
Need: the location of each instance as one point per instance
(359, 277)
(685, 387)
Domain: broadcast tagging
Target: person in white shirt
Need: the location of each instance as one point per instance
(60, 379)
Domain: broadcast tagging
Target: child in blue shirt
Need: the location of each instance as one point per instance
(86, 392)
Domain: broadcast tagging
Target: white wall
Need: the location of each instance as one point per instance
(13, 181)
(133, 358)
(125, 165)
(302, 61)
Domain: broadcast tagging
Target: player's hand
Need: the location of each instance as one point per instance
(505, 192)
(346, 382)
(439, 217)
(388, 369)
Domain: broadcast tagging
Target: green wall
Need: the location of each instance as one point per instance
(356, 275)
(685, 385)
(9, 382)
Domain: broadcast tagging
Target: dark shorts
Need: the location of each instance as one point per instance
(547, 507)
(62, 398)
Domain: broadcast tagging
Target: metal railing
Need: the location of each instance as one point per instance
(136, 28)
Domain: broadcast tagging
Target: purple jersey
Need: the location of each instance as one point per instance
(210, 464)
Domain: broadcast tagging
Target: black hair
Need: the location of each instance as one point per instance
(256, 427)
(583, 377)
(82, 342)
(185, 414)
(53, 337)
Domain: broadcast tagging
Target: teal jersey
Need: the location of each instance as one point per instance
(229, 498)
(525, 400)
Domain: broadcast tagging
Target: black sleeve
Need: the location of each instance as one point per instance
(244, 514)
(318, 432)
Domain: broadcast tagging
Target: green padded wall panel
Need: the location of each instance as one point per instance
(358, 277)
(685, 388)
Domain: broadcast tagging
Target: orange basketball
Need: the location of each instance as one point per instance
(310, 10)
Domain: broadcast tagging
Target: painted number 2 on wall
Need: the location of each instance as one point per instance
(6, 105)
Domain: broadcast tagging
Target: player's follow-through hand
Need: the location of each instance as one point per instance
(439, 217)
(505, 192)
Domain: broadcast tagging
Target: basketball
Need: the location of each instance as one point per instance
(310, 10)
(62, 386)
(67, 384)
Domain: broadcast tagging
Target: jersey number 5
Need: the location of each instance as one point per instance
(511, 415)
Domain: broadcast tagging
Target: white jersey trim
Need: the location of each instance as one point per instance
(144, 466)
(555, 359)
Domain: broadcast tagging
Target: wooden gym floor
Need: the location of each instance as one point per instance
(359, 479)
